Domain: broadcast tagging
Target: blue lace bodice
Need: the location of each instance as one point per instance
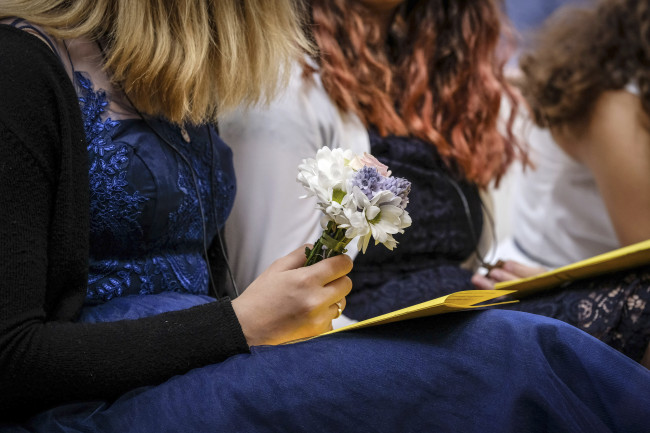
(156, 201)
(426, 263)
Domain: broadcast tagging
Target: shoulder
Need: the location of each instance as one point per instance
(615, 106)
(302, 115)
(615, 119)
(347, 129)
(38, 103)
(293, 106)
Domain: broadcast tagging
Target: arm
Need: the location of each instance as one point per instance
(47, 362)
(616, 148)
(269, 219)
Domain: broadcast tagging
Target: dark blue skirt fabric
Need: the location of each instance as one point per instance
(480, 371)
(135, 307)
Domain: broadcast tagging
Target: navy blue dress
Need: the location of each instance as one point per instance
(158, 199)
(490, 371)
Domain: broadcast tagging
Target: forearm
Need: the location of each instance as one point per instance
(49, 363)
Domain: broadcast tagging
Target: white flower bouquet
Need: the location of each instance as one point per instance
(358, 197)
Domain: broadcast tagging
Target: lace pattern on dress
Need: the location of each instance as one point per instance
(172, 262)
(112, 208)
(614, 308)
(111, 205)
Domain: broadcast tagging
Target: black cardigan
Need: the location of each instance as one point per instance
(45, 358)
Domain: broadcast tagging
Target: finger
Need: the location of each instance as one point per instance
(294, 260)
(336, 290)
(500, 275)
(334, 309)
(482, 282)
(330, 269)
(521, 270)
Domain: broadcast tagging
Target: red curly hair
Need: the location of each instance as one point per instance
(437, 76)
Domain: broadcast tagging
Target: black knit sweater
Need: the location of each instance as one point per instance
(45, 358)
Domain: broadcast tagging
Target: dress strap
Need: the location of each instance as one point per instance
(21, 24)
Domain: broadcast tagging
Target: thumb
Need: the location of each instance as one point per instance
(294, 260)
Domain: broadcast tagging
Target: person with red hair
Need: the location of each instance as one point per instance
(420, 85)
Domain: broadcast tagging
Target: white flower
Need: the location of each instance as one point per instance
(379, 218)
(358, 198)
(333, 211)
(326, 176)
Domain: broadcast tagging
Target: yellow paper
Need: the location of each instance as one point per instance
(620, 259)
(454, 302)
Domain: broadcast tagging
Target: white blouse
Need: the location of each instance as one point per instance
(268, 219)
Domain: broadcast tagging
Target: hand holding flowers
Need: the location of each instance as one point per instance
(358, 197)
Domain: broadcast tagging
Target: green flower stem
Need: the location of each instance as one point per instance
(331, 243)
(314, 255)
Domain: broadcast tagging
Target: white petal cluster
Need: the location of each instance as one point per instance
(328, 172)
(331, 178)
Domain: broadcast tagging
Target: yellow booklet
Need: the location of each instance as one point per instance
(622, 258)
(617, 260)
(458, 301)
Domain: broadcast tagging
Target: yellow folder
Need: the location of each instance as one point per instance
(458, 301)
(620, 259)
(617, 260)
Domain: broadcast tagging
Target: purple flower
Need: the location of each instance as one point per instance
(398, 186)
(368, 180)
(371, 182)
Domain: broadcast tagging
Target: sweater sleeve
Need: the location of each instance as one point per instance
(46, 360)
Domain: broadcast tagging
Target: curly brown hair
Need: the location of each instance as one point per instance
(438, 76)
(580, 53)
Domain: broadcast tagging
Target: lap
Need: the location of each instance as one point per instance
(475, 371)
(615, 308)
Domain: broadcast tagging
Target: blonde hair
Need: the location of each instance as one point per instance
(185, 60)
